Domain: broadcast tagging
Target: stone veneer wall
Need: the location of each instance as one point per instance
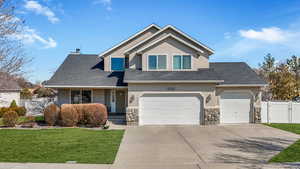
(132, 116)
(211, 116)
(257, 114)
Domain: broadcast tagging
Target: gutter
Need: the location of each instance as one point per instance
(173, 81)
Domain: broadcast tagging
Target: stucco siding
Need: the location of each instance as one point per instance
(98, 96)
(171, 47)
(119, 52)
(6, 97)
(205, 90)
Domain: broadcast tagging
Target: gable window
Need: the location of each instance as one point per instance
(182, 62)
(117, 64)
(81, 96)
(157, 62)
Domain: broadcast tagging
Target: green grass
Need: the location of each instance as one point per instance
(291, 153)
(59, 145)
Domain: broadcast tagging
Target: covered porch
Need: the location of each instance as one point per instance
(115, 99)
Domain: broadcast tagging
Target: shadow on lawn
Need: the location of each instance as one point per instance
(255, 150)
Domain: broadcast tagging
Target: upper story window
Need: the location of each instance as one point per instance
(157, 62)
(182, 62)
(117, 64)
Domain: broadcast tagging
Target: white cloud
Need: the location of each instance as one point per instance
(105, 3)
(271, 34)
(36, 7)
(30, 36)
(253, 44)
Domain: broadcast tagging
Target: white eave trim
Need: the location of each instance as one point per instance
(98, 87)
(130, 38)
(174, 81)
(165, 28)
(166, 37)
(242, 85)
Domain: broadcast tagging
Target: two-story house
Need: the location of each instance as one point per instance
(161, 76)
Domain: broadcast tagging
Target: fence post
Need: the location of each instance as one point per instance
(268, 116)
(291, 112)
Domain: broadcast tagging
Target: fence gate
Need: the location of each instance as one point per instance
(280, 112)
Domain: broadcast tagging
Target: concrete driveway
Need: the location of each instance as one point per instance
(194, 147)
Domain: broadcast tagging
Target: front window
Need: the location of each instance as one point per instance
(81, 96)
(157, 62)
(182, 62)
(117, 64)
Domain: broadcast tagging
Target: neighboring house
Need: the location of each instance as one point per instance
(161, 76)
(9, 91)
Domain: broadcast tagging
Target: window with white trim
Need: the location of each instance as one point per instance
(157, 62)
(81, 96)
(182, 62)
(117, 64)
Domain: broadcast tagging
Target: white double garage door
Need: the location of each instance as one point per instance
(187, 108)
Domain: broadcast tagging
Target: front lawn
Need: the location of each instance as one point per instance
(291, 153)
(59, 145)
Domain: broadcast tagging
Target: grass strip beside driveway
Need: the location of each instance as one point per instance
(60, 145)
(291, 153)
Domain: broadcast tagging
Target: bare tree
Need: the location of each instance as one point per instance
(12, 57)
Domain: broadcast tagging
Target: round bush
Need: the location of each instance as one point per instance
(68, 115)
(51, 114)
(10, 118)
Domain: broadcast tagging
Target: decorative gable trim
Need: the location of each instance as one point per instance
(128, 51)
(166, 37)
(130, 38)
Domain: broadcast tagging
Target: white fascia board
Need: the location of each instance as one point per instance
(97, 87)
(170, 36)
(163, 29)
(130, 38)
(174, 81)
(242, 85)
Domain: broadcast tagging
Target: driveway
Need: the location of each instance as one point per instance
(194, 147)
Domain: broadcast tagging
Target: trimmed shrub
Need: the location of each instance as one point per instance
(92, 115)
(10, 118)
(68, 115)
(13, 104)
(51, 114)
(3, 110)
(20, 110)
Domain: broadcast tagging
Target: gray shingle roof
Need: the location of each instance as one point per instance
(236, 73)
(8, 83)
(202, 74)
(85, 70)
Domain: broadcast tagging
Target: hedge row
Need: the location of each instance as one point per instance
(92, 115)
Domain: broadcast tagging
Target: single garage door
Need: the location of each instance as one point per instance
(235, 107)
(168, 109)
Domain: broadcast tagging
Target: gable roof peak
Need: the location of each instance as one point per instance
(153, 25)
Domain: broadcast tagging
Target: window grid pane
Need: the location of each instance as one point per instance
(117, 64)
(186, 62)
(86, 96)
(75, 97)
(152, 62)
(177, 62)
(162, 62)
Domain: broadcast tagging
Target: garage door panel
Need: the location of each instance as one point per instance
(164, 109)
(235, 107)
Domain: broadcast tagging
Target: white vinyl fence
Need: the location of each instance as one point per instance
(280, 112)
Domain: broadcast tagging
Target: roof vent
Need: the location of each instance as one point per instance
(77, 50)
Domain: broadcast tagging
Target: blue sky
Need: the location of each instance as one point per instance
(238, 30)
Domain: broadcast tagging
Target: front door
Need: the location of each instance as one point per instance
(120, 101)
